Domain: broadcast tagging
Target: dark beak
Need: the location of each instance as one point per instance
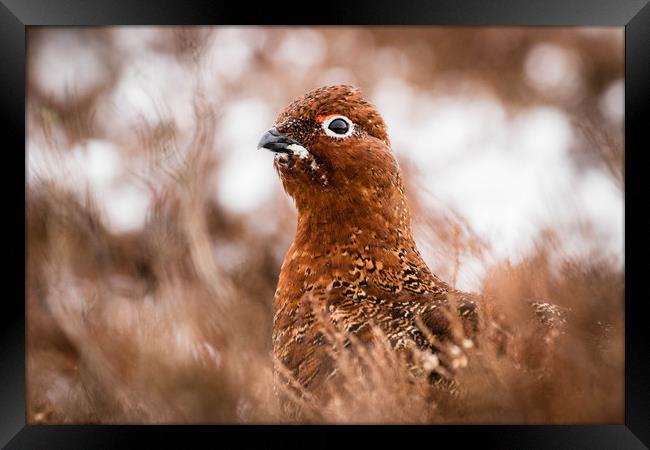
(276, 142)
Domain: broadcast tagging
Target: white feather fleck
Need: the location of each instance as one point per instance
(298, 150)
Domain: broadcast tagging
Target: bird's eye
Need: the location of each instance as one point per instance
(338, 126)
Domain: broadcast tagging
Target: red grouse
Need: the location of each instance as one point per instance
(354, 255)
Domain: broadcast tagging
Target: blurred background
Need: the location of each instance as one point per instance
(156, 229)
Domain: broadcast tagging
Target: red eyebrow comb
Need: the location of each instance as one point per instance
(323, 117)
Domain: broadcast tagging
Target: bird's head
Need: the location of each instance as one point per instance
(332, 150)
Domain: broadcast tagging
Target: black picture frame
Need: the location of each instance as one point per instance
(634, 15)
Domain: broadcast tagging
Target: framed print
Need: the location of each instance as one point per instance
(376, 215)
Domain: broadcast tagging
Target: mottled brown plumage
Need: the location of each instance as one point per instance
(353, 256)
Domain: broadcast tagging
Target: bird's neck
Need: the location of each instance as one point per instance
(354, 221)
